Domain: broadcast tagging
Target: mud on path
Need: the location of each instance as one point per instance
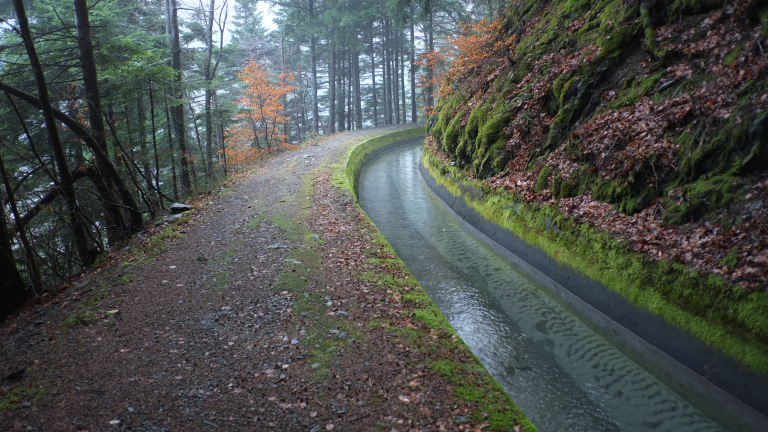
(273, 305)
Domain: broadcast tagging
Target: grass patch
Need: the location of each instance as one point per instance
(15, 397)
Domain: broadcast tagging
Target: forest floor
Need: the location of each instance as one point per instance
(260, 309)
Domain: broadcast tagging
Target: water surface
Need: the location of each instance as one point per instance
(563, 375)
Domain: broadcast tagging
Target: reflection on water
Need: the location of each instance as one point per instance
(563, 376)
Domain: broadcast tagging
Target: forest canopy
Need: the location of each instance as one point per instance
(114, 109)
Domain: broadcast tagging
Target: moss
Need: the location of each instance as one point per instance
(731, 260)
(451, 134)
(686, 7)
(634, 88)
(563, 123)
(490, 143)
(15, 397)
(717, 313)
(542, 182)
(704, 197)
(731, 56)
(719, 155)
(762, 15)
(650, 44)
(359, 155)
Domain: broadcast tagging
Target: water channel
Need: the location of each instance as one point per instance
(563, 375)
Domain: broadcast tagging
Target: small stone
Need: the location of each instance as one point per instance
(114, 422)
(342, 335)
(315, 365)
(329, 303)
(27, 404)
(333, 331)
(210, 423)
(294, 341)
(131, 410)
(461, 419)
(315, 428)
(187, 411)
(329, 426)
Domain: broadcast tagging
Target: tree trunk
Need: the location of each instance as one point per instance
(208, 95)
(350, 114)
(358, 97)
(412, 69)
(285, 96)
(332, 89)
(86, 251)
(430, 73)
(114, 217)
(402, 76)
(313, 65)
(13, 291)
(154, 146)
(177, 108)
(145, 165)
(342, 87)
(373, 79)
(29, 255)
(395, 85)
(86, 136)
(173, 152)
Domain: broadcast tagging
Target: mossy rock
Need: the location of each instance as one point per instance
(688, 7)
(452, 133)
(703, 197)
(490, 146)
(723, 153)
(542, 182)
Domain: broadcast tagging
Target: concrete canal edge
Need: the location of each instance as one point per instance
(722, 388)
(359, 156)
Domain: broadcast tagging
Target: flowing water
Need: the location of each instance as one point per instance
(563, 375)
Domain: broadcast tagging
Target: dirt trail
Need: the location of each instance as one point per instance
(270, 306)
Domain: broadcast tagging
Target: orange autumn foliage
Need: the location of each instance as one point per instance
(259, 132)
(476, 49)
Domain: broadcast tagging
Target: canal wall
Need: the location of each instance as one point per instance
(719, 385)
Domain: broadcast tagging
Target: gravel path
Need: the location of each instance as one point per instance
(270, 306)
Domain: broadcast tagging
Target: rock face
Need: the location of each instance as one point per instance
(177, 208)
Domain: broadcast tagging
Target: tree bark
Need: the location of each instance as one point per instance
(208, 94)
(358, 97)
(430, 73)
(332, 89)
(395, 69)
(177, 107)
(114, 217)
(402, 75)
(29, 254)
(373, 79)
(341, 83)
(86, 251)
(313, 65)
(412, 70)
(173, 152)
(285, 96)
(13, 291)
(154, 146)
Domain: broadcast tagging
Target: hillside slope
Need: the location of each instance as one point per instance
(646, 121)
